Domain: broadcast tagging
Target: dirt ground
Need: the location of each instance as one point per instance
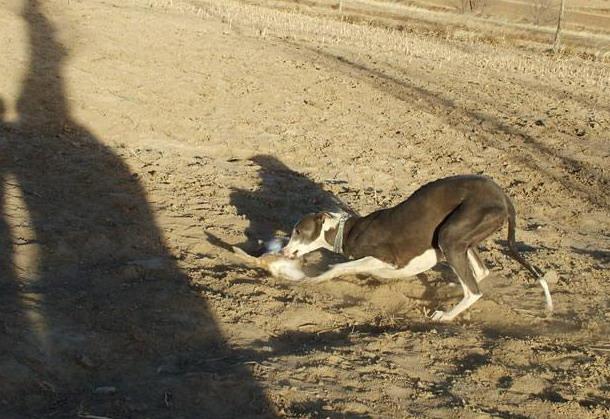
(140, 139)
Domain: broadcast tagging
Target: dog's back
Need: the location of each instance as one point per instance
(410, 228)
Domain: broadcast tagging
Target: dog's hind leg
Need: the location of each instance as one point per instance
(456, 256)
(478, 267)
(464, 228)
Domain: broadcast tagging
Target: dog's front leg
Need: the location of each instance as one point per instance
(366, 265)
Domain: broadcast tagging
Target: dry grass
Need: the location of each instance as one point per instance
(444, 23)
(477, 58)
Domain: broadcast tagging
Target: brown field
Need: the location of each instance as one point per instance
(585, 14)
(140, 139)
(518, 24)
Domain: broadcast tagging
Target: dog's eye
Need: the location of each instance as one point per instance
(297, 231)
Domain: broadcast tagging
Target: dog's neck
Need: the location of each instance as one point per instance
(334, 232)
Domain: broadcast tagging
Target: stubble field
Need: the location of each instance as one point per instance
(140, 139)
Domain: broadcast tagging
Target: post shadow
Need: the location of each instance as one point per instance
(111, 326)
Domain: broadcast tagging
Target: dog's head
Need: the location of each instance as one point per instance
(312, 232)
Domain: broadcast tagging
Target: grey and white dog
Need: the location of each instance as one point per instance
(443, 220)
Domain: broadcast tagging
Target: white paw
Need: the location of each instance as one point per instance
(439, 316)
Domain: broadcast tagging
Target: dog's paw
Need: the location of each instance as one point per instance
(439, 316)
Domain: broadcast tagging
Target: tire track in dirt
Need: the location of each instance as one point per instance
(528, 152)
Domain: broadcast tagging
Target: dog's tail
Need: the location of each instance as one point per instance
(514, 253)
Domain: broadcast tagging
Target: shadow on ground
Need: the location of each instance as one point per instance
(102, 322)
(281, 199)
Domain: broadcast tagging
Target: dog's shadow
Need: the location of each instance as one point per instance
(282, 197)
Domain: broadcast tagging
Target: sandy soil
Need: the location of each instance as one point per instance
(139, 140)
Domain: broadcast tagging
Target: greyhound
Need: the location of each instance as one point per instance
(443, 220)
